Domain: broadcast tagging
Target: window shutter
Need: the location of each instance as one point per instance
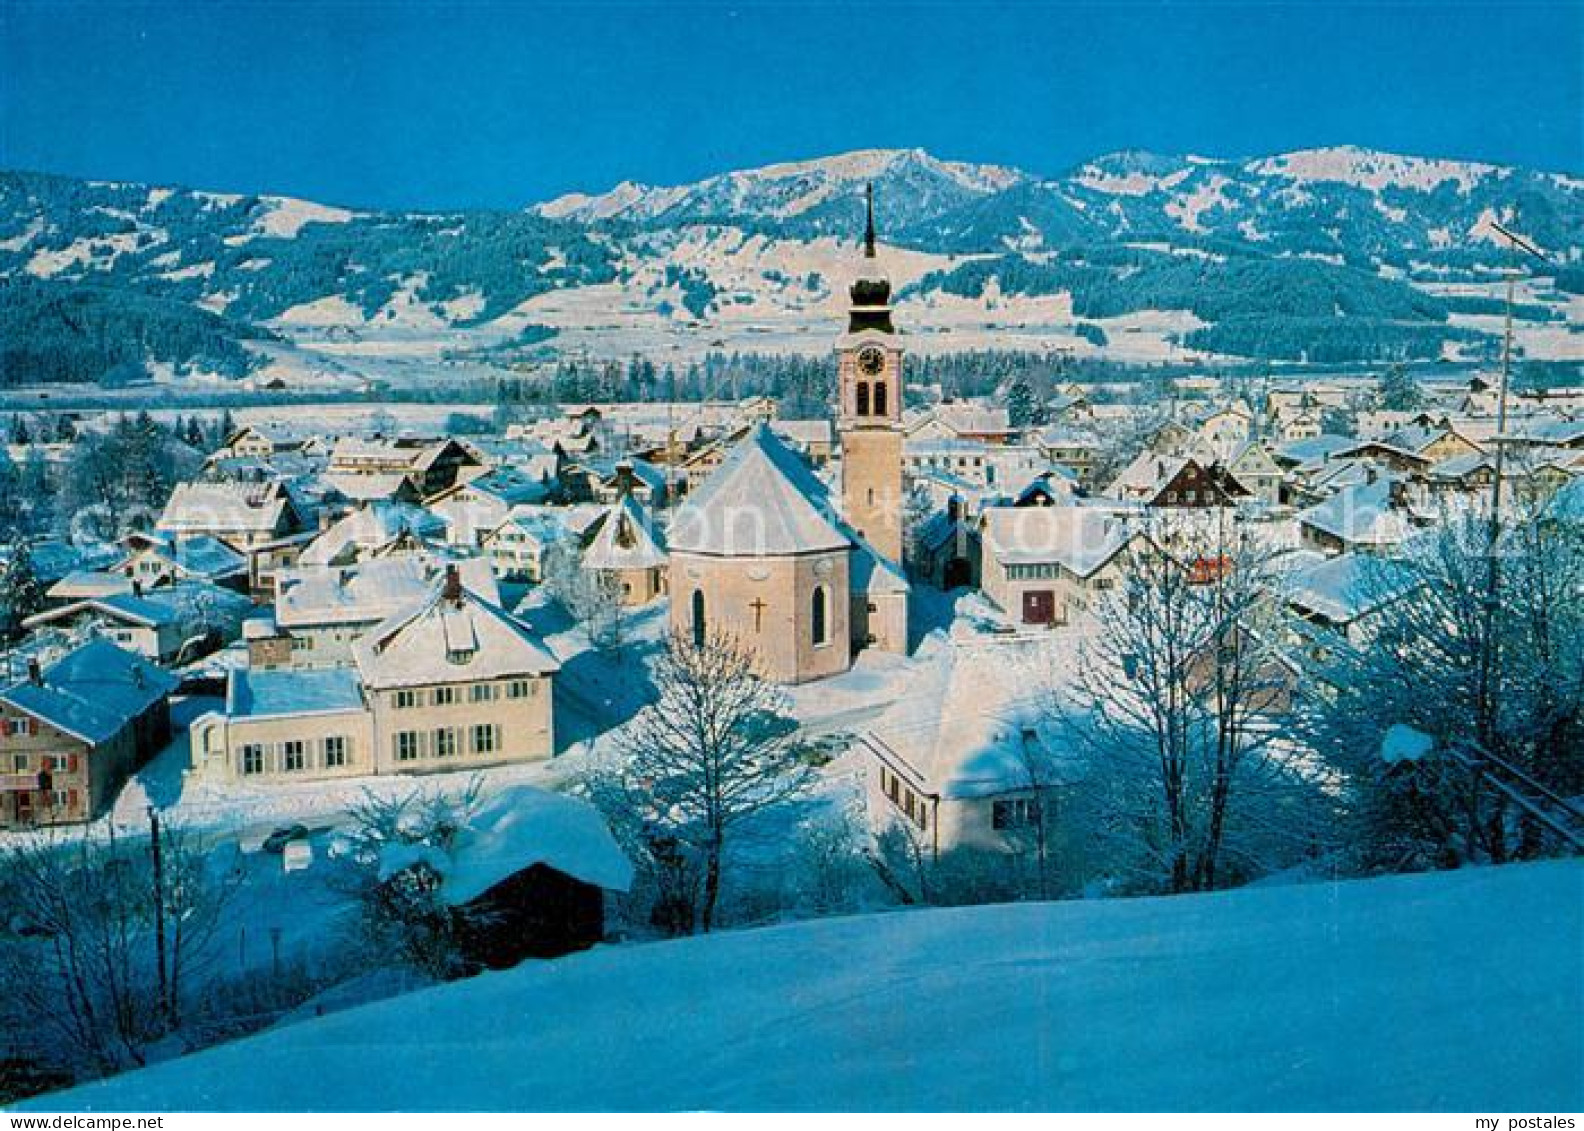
(71, 764)
(71, 798)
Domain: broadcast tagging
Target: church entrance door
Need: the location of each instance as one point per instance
(1039, 606)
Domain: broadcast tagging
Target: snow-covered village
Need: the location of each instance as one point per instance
(871, 632)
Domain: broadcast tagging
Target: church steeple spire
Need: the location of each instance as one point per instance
(871, 291)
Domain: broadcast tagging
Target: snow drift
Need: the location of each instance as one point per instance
(1457, 991)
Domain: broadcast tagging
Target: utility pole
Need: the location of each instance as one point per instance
(157, 849)
(1489, 652)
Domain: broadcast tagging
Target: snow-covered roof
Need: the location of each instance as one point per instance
(368, 527)
(93, 691)
(804, 432)
(1346, 587)
(873, 573)
(1147, 475)
(760, 502)
(201, 555)
(413, 453)
(199, 507)
(252, 693)
(1065, 436)
(447, 640)
(1363, 514)
(522, 826)
(1082, 539)
(509, 485)
(626, 539)
(962, 417)
(1314, 449)
(963, 722)
(370, 485)
(1459, 467)
(89, 583)
(369, 591)
(155, 608)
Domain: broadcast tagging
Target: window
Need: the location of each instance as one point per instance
(18, 726)
(698, 618)
(252, 758)
(445, 742)
(519, 689)
(863, 398)
(407, 746)
(485, 738)
(461, 655)
(483, 692)
(335, 751)
(880, 399)
(21, 763)
(444, 696)
(405, 699)
(818, 617)
(1014, 813)
(292, 758)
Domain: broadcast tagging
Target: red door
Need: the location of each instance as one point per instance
(1039, 606)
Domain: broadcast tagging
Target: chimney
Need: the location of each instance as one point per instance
(453, 584)
(137, 587)
(35, 672)
(624, 479)
(324, 519)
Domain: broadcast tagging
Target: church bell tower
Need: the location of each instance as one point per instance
(869, 415)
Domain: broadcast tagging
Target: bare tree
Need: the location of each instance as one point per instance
(711, 754)
(593, 599)
(1170, 702)
(402, 915)
(1493, 674)
(108, 936)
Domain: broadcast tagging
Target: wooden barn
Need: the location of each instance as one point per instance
(527, 877)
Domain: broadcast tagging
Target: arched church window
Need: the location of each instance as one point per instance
(880, 399)
(863, 398)
(698, 618)
(818, 616)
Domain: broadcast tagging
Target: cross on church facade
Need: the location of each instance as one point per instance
(758, 606)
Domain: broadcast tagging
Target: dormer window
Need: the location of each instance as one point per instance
(461, 656)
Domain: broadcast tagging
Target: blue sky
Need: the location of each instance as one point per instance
(491, 103)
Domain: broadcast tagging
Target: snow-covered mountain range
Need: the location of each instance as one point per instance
(1323, 255)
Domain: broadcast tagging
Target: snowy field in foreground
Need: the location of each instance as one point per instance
(1460, 991)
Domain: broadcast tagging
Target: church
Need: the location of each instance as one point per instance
(760, 551)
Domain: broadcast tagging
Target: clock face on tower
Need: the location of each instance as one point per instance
(871, 361)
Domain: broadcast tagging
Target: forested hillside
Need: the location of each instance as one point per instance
(1323, 256)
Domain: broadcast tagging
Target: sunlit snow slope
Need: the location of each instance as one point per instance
(1461, 991)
